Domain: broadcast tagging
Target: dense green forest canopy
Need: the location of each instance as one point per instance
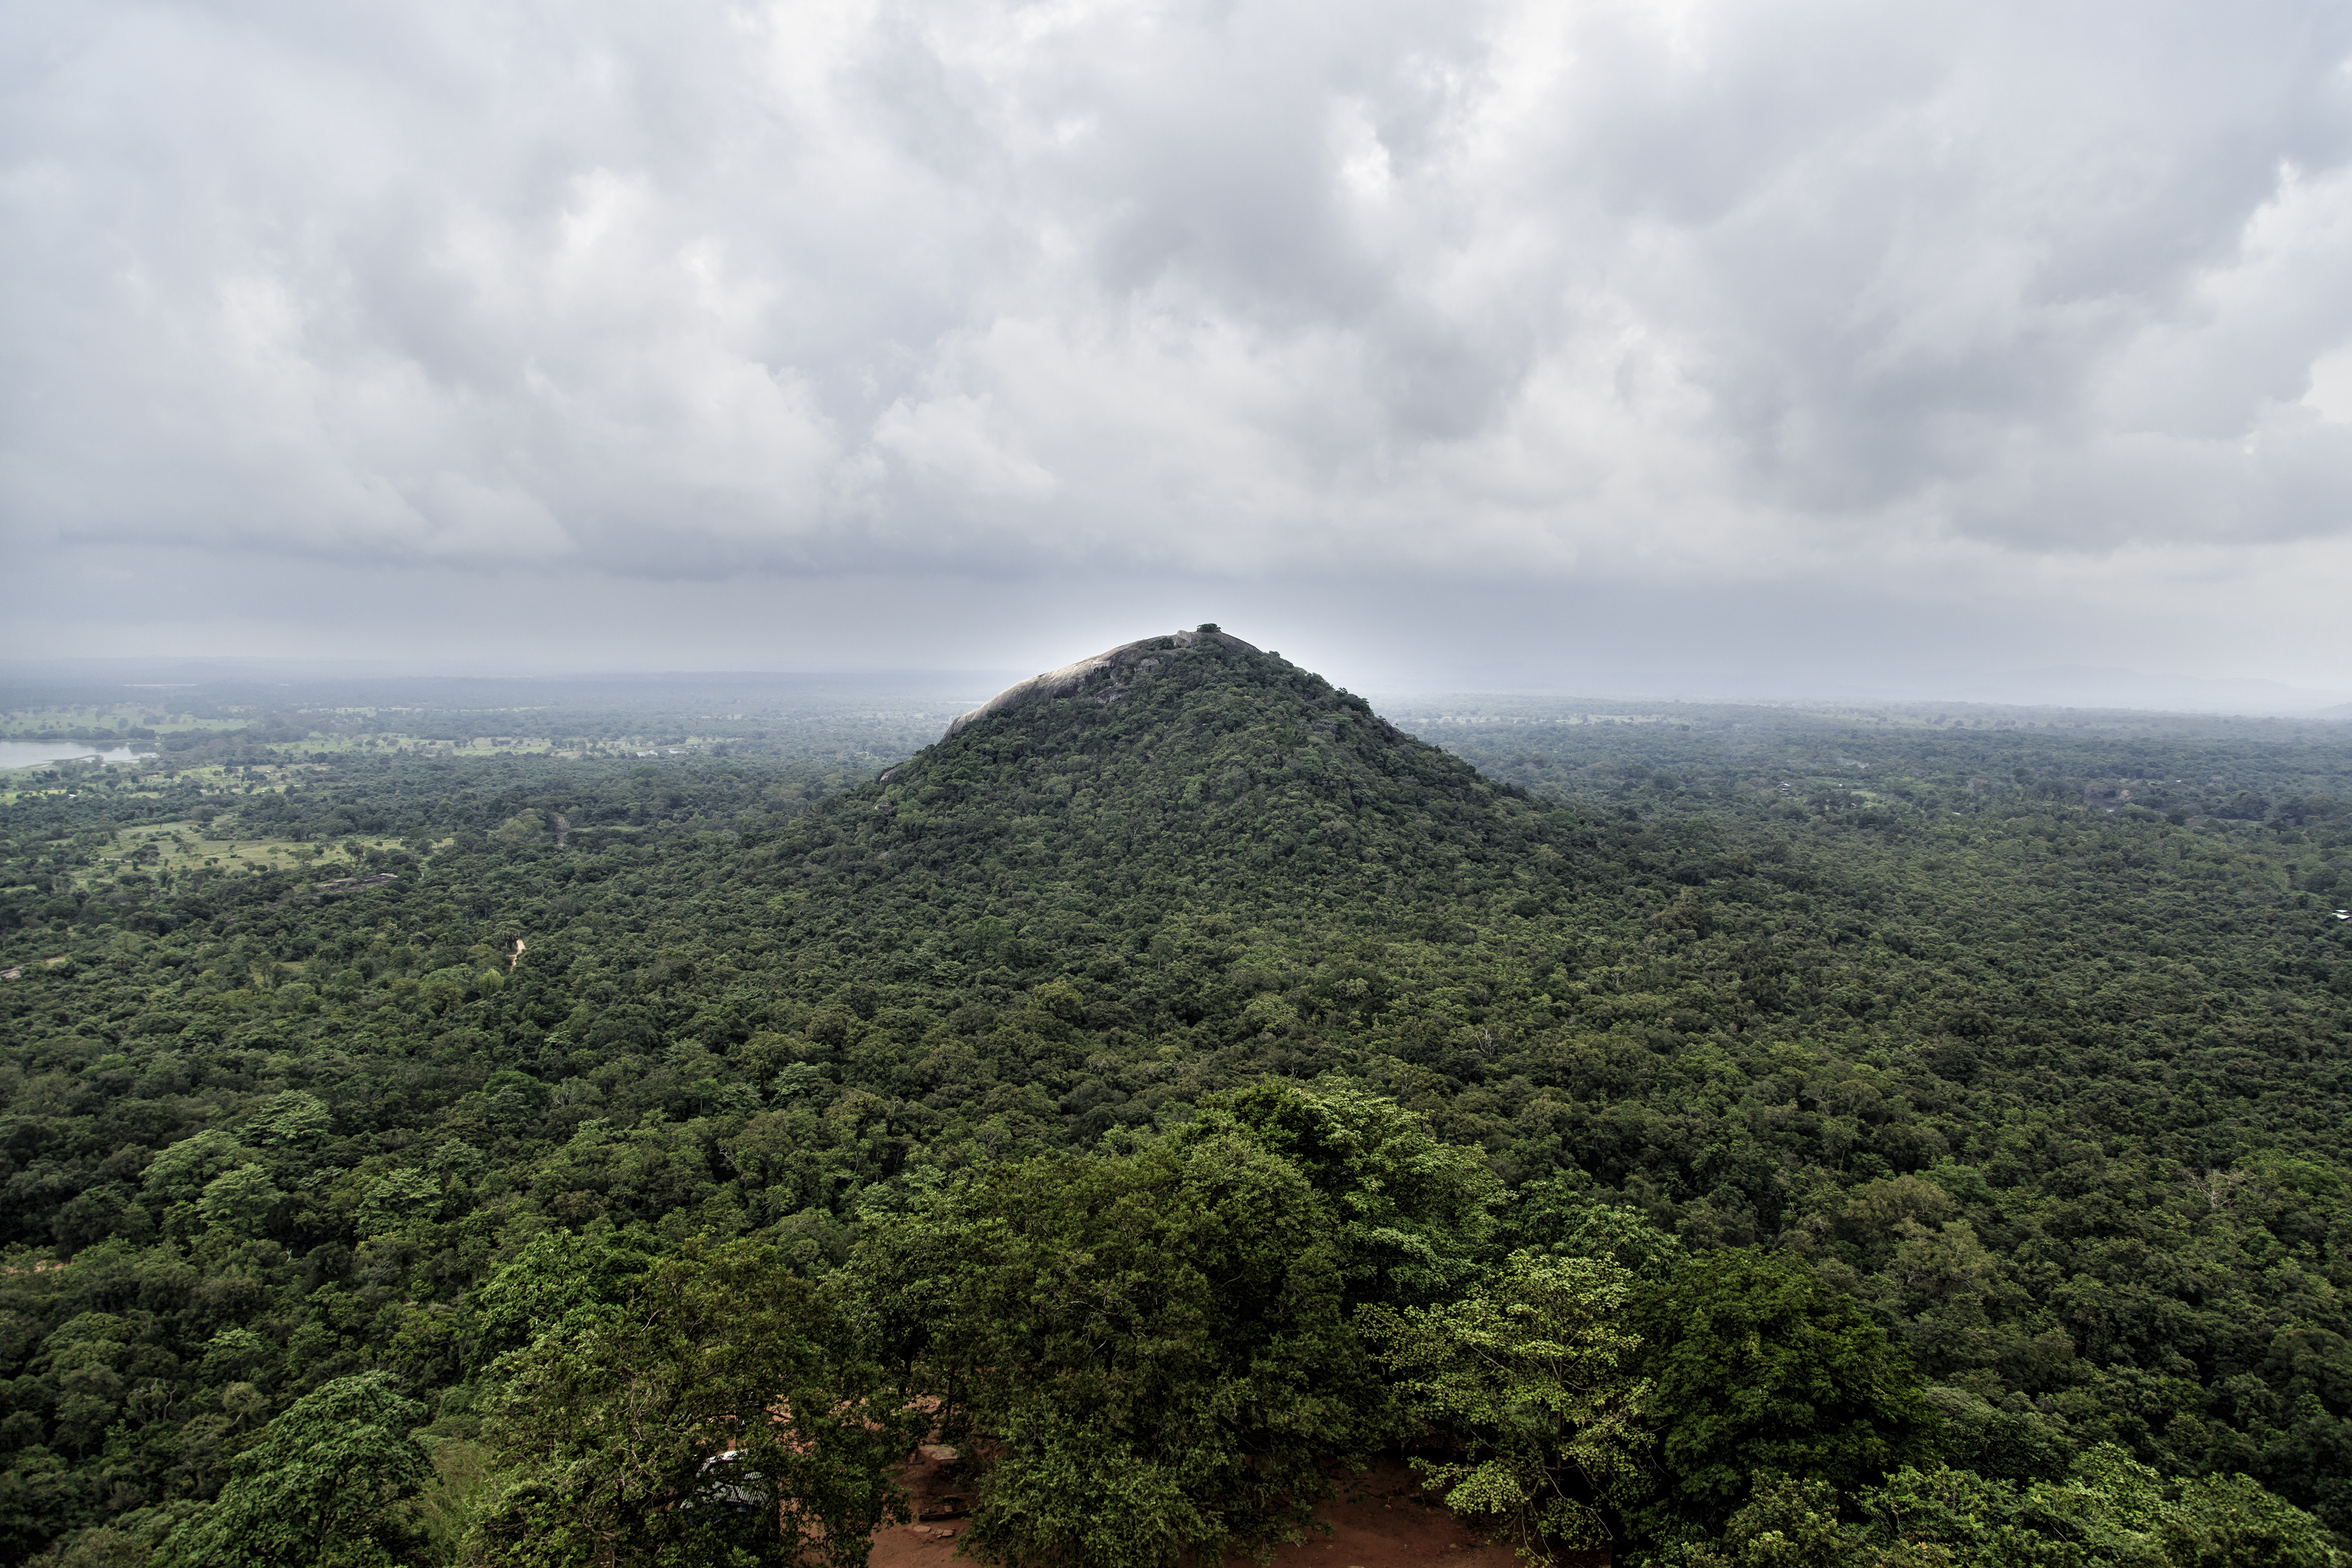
(2005, 1054)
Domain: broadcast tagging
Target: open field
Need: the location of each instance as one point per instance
(42, 723)
(145, 781)
(172, 847)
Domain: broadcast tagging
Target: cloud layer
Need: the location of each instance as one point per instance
(2018, 310)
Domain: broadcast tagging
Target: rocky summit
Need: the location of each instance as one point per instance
(1106, 676)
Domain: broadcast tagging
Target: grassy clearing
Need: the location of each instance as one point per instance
(383, 745)
(129, 781)
(22, 723)
(179, 846)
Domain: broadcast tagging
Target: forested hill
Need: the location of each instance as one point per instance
(1178, 774)
(2016, 1112)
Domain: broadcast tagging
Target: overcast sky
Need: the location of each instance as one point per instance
(1562, 343)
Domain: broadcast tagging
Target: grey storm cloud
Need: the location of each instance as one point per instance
(2013, 300)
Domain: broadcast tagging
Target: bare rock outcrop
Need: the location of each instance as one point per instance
(1106, 675)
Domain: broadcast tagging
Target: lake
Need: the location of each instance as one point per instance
(33, 753)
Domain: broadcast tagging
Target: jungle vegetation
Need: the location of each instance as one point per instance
(1740, 1135)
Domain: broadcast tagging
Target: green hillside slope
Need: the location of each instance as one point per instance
(1194, 774)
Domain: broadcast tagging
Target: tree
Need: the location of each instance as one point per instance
(394, 1198)
(1758, 1368)
(40, 1495)
(1556, 1217)
(1152, 1344)
(1412, 1210)
(1786, 1523)
(1532, 1375)
(722, 1418)
(2229, 1521)
(239, 1199)
(559, 1283)
(320, 1490)
(292, 1120)
(2109, 1510)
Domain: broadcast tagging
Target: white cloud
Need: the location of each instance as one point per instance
(1879, 300)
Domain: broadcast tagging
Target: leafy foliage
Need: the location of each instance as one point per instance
(318, 1488)
(1152, 1344)
(1412, 1212)
(2109, 1510)
(1755, 1367)
(720, 1418)
(1534, 1374)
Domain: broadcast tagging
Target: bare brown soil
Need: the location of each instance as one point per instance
(1379, 1517)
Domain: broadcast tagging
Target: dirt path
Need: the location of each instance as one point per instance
(1379, 1520)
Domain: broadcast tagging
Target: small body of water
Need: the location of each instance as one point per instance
(33, 753)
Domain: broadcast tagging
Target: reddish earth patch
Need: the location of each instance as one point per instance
(941, 1495)
(1380, 1517)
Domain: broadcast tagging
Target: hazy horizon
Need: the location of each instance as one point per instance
(2075, 689)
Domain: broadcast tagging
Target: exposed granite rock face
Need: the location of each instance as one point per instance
(1106, 677)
